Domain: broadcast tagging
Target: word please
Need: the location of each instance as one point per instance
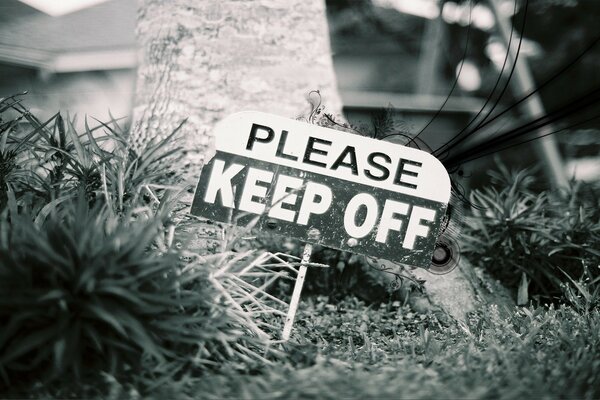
(299, 201)
(375, 165)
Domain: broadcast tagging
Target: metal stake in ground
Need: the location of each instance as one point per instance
(289, 319)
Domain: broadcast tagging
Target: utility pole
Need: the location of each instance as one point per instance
(428, 74)
(522, 83)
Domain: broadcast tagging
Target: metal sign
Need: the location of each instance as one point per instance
(325, 187)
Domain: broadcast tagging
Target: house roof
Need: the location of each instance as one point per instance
(94, 38)
(56, 8)
(12, 9)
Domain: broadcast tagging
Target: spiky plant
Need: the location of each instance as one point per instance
(80, 290)
(544, 238)
(85, 290)
(46, 162)
(90, 280)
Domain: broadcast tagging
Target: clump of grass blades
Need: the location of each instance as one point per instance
(546, 238)
(45, 163)
(86, 290)
(81, 289)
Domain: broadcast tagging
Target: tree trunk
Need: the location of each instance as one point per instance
(204, 60)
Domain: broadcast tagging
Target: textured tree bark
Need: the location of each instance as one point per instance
(203, 60)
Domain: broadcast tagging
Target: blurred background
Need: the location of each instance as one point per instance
(436, 64)
(70, 55)
(426, 67)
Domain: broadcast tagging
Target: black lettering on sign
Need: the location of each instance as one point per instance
(254, 138)
(325, 187)
(385, 172)
(281, 147)
(310, 149)
(402, 171)
(349, 150)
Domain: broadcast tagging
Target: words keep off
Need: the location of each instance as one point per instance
(325, 186)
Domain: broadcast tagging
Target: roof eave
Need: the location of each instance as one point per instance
(409, 102)
(74, 61)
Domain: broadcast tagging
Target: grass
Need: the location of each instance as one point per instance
(350, 350)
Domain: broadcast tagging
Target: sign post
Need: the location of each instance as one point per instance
(291, 315)
(326, 187)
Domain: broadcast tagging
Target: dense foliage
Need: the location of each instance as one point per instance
(551, 239)
(80, 290)
(45, 163)
(90, 279)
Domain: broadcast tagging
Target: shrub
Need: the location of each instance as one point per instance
(550, 239)
(45, 163)
(86, 290)
(89, 279)
(81, 289)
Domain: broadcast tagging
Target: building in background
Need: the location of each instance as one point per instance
(435, 64)
(70, 55)
(399, 55)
